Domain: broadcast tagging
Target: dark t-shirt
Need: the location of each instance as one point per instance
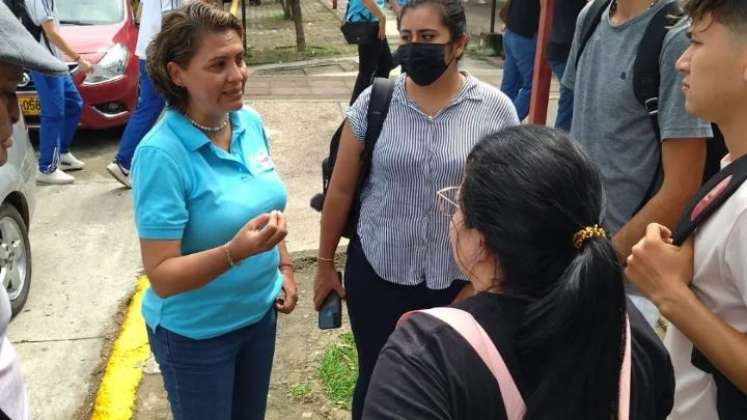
(563, 27)
(428, 371)
(523, 17)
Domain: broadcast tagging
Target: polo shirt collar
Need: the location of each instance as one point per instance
(192, 137)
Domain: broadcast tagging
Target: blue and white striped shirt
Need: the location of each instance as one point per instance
(403, 235)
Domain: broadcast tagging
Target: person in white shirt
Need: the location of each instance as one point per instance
(701, 287)
(61, 104)
(18, 50)
(149, 104)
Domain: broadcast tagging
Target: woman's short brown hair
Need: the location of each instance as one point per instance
(181, 33)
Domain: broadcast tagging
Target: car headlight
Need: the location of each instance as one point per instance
(111, 66)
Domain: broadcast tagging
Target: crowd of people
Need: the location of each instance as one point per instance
(497, 270)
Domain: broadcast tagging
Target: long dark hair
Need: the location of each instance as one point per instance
(529, 189)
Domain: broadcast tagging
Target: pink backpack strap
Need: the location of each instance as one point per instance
(465, 324)
(625, 376)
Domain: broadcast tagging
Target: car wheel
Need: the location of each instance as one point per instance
(15, 257)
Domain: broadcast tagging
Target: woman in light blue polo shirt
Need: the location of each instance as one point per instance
(208, 211)
(374, 57)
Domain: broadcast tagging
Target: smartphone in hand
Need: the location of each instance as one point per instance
(330, 314)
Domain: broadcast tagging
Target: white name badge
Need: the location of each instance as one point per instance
(261, 162)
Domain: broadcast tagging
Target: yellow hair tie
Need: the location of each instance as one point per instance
(587, 233)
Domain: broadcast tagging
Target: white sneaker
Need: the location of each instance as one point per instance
(119, 173)
(57, 177)
(68, 162)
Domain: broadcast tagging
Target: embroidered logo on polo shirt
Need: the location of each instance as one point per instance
(261, 162)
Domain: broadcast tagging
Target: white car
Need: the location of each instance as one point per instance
(17, 203)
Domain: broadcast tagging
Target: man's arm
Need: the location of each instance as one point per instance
(50, 31)
(683, 161)
(664, 273)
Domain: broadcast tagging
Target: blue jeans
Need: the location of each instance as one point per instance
(565, 103)
(518, 69)
(61, 106)
(149, 107)
(220, 378)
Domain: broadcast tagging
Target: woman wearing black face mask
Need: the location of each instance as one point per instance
(400, 258)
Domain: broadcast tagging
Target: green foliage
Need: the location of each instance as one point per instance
(338, 371)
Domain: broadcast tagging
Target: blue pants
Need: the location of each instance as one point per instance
(565, 103)
(149, 107)
(221, 378)
(61, 106)
(518, 69)
(374, 307)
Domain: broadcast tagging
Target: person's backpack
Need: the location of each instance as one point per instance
(472, 332)
(647, 79)
(18, 7)
(378, 108)
(730, 401)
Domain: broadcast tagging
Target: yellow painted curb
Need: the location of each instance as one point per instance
(117, 394)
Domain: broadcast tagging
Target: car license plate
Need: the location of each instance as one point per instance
(30, 105)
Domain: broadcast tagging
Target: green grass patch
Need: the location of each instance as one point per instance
(289, 54)
(338, 371)
(301, 393)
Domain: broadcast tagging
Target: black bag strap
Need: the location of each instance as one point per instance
(589, 25)
(378, 108)
(646, 70)
(647, 77)
(731, 403)
(709, 198)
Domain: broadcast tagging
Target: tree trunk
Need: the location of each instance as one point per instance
(286, 9)
(298, 20)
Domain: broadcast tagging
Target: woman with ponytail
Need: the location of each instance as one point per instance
(524, 228)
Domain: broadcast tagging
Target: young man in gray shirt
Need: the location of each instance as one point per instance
(615, 129)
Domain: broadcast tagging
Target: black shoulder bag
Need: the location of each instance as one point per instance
(378, 108)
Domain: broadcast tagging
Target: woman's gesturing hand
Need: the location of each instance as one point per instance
(259, 235)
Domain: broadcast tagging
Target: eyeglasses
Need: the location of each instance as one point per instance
(447, 201)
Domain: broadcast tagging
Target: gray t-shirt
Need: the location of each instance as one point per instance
(41, 11)
(608, 120)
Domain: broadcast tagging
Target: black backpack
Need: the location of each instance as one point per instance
(647, 79)
(378, 108)
(730, 401)
(18, 7)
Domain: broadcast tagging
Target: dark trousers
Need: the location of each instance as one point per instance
(374, 60)
(220, 378)
(374, 307)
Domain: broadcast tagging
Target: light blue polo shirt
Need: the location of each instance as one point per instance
(185, 188)
(356, 11)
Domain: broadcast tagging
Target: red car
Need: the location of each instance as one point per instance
(104, 33)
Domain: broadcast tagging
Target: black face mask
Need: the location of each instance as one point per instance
(424, 63)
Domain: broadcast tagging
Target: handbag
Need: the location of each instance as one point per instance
(378, 108)
(360, 33)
